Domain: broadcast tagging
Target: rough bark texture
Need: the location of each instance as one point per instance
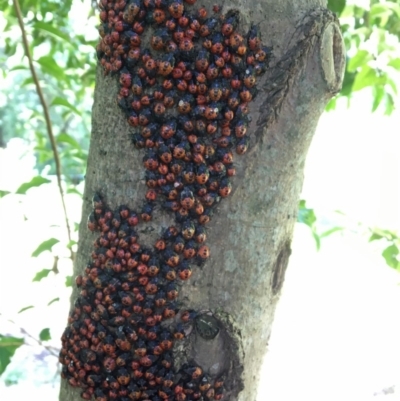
(251, 231)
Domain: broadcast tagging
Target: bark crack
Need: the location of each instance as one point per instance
(285, 71)
(279, 269)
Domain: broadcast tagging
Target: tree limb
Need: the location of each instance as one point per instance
(46, 117)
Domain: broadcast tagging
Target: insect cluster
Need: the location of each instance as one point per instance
(187, 98)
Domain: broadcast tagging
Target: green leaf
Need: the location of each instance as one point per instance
(34, 182)
(18, 67)
(45, 246)
(60, 101)
(337, 6)
(395, 63)
(317, 239)
(42, 274)
(65, 138)
(4, 193)
(53, 300)
(393, 84)
(380, 10)
(49, 66)
(27, 81)
(367, 77)
(348, 11)
(8, 346)
(44, 335)
(49, 28)
(74, 191)
(364, 78)
(389, 104)
(378, 233)
(395, 7)
(331, 231)
(71, 244)
(379, 93)
(390, 254)
(331, 104)
(375, 237)
(25, 308)
(68, 281)
(360, 59)
(348, 82)
(11, 47)
(305, 215)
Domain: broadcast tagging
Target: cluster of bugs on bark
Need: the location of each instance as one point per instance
(187, 97)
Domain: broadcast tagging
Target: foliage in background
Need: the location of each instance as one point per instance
(371, 35)
(307, 216)
(64, 57)
(8, 346)
(65, 63)
(64, 60)
(389, 240)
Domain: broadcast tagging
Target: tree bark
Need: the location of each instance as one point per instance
(251, 231)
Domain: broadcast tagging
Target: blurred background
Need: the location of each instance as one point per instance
(337, 326)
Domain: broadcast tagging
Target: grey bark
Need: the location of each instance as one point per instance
(251, 231)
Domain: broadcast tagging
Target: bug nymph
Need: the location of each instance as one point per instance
(187, 198)
(187, 49)
(147, 211)
(253, 38)
(176, 8)
(188, 108)
(170, 98)
(166, 64)
(159, 39)
(181, 85)
(202, 60)
(185, 104)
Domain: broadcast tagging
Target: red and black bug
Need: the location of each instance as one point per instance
(202, 173)
(187, 201)
(202, 61)
(242, 145)
(147, 211)
(184, 270)
(187, 106)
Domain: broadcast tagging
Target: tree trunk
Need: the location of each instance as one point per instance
(251, 231)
